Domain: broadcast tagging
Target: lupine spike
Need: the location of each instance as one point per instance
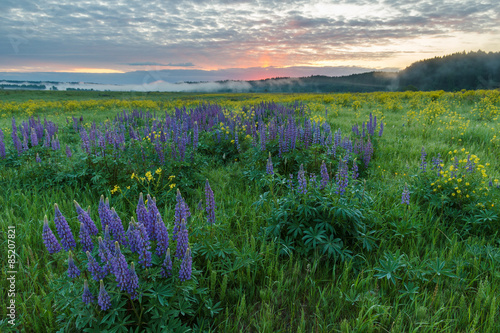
(182, 241)
(132, 283)
(93, 267)
(405, 196)
(85, 218)
(73, 271)
(103, 299)
(116, 227)
(49, 239)
(63, 230)
(87, 296)
(269, 167)
(151, 218)
(85, 238)
(302, 180)
(167, 265)
(210, 203)
(186, 266)
(162, 237)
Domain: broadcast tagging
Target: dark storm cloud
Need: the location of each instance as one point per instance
(223, 33)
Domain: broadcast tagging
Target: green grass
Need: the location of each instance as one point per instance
(444, 280)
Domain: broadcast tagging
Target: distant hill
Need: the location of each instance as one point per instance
(473, 70)
(365, 82)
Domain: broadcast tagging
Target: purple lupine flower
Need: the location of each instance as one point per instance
(15, 138)
(302, 180)
(342, 176)
(49, 239)
(87, 296)
(120, 268)
(381, 128)
(423, 162)
(103, 299)
(25, 141)
(68, 151)
(161, 236)
(63, 230)
(107, 240)
(106, 257)
(104, 212)
(132, 237)
(95, 270)
(38, 159)
(355, 173)
(436, 164)
(73, 271)
(325, 178)
(166, 267)
(470, 166)
(195, 135)
(290, 182)
(186, 266)
(152, 216)
(405, 197)
(34, 138)
(116, 228)
(132, 284)
(2, 145)
(85, 218)
(143, 245)
(182, 241)
(200, 205)
(368, 152)
(85, 238)
(262, 134)
(46, 141)
(210, 203)
(269, 166)
(141, 210)
(237, 141)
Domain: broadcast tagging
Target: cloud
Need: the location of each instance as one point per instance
(151, 63)
(230, 34)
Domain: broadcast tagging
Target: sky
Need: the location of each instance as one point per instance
(237, 39)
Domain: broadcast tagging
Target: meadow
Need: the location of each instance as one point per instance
(370, 212)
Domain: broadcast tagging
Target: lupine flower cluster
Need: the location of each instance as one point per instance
(269, 166)
(33, 132)
(342, 177)
(111, 264)
(405, 196)
(210, 203)
(423, 162)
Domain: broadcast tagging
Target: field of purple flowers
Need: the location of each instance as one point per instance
(272, 216)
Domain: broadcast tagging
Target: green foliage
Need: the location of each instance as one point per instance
(320, 222)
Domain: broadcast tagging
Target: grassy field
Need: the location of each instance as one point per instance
(283, 255)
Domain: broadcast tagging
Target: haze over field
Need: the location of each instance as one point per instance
(176, 41)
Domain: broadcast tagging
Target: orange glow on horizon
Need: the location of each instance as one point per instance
(91, 70)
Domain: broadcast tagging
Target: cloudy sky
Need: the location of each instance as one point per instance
(225, 37)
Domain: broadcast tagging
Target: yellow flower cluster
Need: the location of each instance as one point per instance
(465, 178)
(115, 189)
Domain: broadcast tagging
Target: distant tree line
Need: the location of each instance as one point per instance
(473, 70)
(23, 86)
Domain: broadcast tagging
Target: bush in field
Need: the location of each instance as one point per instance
(318, 215)
(141, 278)
(460, 190)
